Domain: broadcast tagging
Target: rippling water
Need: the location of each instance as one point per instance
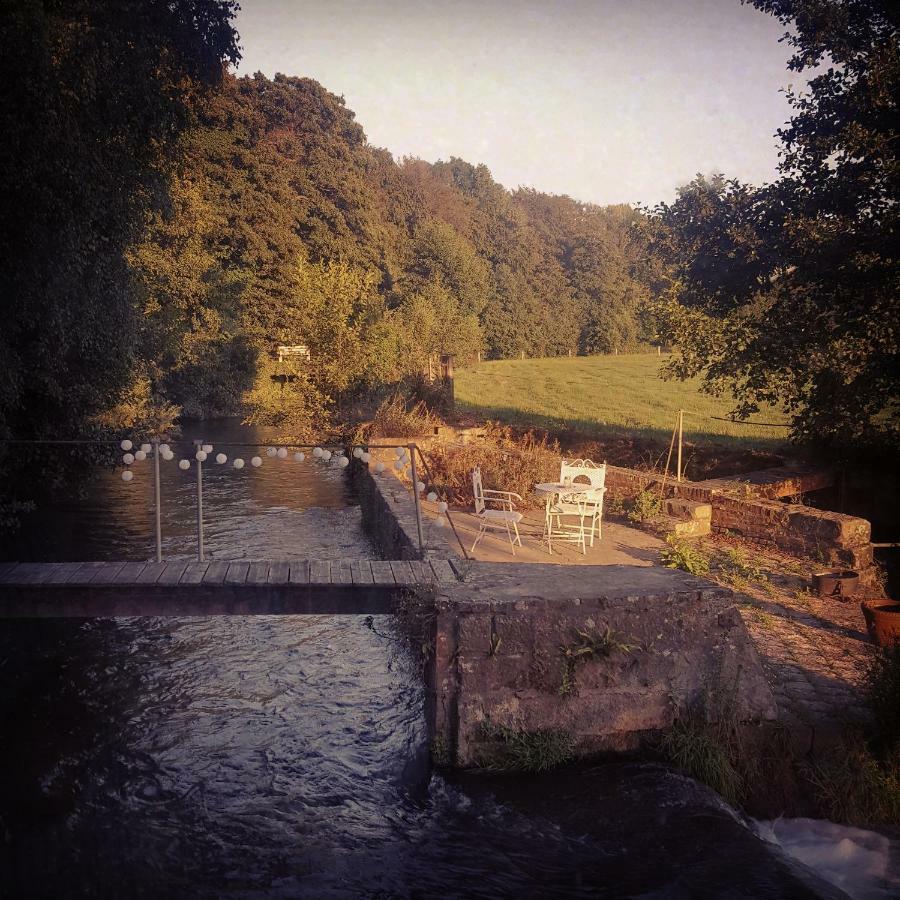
(287, 756)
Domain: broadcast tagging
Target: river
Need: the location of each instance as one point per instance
(249, 757)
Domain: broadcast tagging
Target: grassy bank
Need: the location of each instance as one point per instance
(606, 395)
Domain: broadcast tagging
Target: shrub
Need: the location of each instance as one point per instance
(699, 751)
(853, 786)
(646, 505)
(511, 749)
(401, 416)
(883, 694)
(681, 554)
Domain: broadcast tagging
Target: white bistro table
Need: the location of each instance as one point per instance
(574, 493)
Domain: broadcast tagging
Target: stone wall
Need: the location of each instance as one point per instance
(499, 655)
(389, 512)
(831, 538)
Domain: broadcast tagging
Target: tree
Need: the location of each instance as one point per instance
(788, 293)
(93, 97)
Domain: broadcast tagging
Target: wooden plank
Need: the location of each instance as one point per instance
(319, 571)
(361, 571)
(5, 568)
(31, 573)
(63, 573)
(382, 572)
(150, 573)
(237, 573)
(258, 573)
(129, 573)
(422, 572)
(216, 572)
(194, 573)
(299, 571)
(279, 572)
(107, 575)
(403, 573)
(173, 572)
(86, 573)
(443, 571)
(341, 573)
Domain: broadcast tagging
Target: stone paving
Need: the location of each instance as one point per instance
(814, 650)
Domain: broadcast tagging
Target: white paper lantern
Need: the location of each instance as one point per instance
(270, 451)
(420, 486)
(239, 463)
(400, 465)
(140, 455)
(200, 456)
(358, 452)
(127, 475)
(432, 496)
(256, 462)
(184, 464)
(128, 459)
(146, 447)
(343, 462)
(399, 451)
(126, 444)
(221, 458)
(326, 455)
(317, 453)
(442, 507)
(207, 448)
(299, 457)
(282, 453)
(440, 521)
(164, 449)
(366, 457)
(168, 455)
(379, 466)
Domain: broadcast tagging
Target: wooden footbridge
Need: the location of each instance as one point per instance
(218, 587)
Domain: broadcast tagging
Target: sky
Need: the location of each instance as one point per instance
(608, 101)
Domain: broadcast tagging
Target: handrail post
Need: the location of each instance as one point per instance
(680, 433)
(415, 485)
(156, 491)
(199, 445)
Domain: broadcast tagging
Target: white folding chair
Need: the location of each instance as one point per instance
(586, 507)
(505, 517)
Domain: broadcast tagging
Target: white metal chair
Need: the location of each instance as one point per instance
(505, 517)
(586, 507)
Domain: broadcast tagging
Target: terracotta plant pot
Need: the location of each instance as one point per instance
(882, 620)
(837, 583)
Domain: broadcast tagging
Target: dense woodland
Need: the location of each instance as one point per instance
(166, 225)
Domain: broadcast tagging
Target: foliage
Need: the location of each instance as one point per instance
(682, 554)
(514, 749)
(400, 416)
(644, 506)
(94, 97)
(700, 752)
(589, 646)
(508, 463)
(854, 786)
(789, 292)
(883, 694)
(734, 568)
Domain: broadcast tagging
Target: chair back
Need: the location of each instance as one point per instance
(478, 490)
(583, 471)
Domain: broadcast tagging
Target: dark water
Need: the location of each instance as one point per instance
(287, 756)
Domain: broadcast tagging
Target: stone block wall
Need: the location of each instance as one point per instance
(832, 538)
(499, 656)
(389, 512)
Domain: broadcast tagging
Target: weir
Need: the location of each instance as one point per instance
(605, 654)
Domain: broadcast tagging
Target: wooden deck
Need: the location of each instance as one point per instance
(218, 587)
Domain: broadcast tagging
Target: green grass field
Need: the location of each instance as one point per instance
(605, 395)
